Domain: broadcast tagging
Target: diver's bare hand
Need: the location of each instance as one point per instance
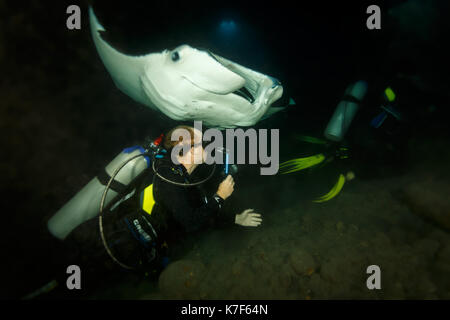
(226, 187)
(248, 218)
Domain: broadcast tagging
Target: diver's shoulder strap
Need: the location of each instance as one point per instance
(104, 178)
(350, 98)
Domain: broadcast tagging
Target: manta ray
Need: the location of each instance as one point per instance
(191, 84)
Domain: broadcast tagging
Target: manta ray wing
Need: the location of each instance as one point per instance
(125, 70)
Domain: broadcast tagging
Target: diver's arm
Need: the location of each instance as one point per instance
(226, 187)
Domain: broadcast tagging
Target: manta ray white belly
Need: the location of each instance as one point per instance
(190, 84)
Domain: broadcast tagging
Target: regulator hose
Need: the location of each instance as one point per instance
(102, 204)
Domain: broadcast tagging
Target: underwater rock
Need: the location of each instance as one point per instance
(237, 268)
(427, 247)
(240, 291)
(318, 287)
(181, 279)
(426, 288)
(428, 197)
(285, 276)
(302, 263)
(340, 227)
(345, 268)
(329, 225)
(442, 265)
(380, 240)
(398, 234)
(394, 290)
(279, 290)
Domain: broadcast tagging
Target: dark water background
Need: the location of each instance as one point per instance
(62, 119)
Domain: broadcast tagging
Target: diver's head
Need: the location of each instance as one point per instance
(184, 143)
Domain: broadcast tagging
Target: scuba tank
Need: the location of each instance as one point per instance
(85, 205)
(345, 111)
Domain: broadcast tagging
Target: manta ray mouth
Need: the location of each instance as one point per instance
(251, 87)
(244, 93)
(253, 80)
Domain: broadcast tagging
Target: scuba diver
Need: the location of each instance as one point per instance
(378, 142)
(333, 146)
(174, 203)
(150, 208)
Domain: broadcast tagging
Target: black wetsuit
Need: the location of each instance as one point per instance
(190, 208)
(139, 239)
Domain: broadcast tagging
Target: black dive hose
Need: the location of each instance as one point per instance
(102, 202)
(183, 184)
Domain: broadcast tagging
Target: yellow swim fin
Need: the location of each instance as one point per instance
(310, 139)
(301, 163)
(334, 191)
